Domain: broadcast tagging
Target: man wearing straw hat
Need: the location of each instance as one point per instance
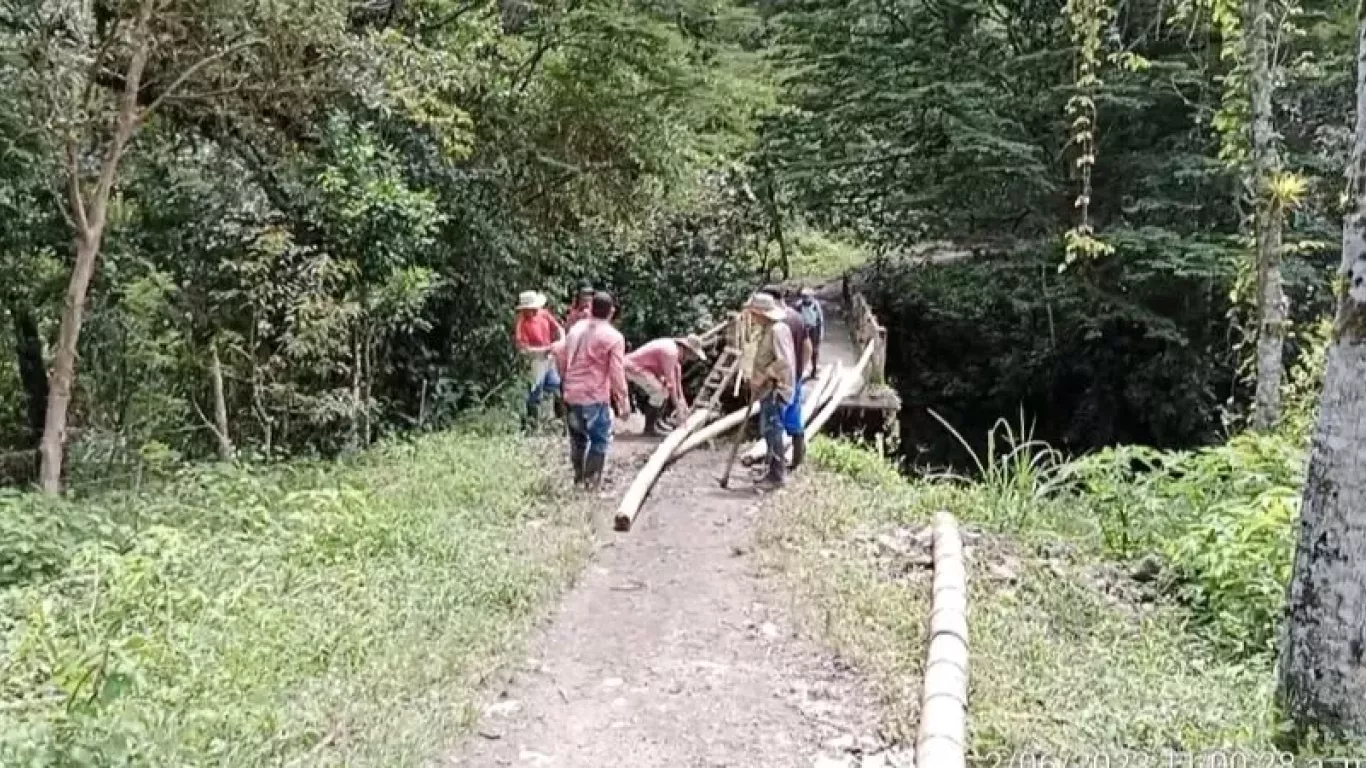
(772, 380)
(535, 332)
(656, 371)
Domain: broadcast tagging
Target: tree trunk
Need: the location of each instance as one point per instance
(1322, 674)
(1271, 309)
(89, 223)
(28, 346)
(775, 223)
(220, 404)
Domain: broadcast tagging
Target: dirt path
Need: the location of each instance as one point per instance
(673, 651)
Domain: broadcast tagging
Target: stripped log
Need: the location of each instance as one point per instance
(825, 389)
(640, 487)
(941, 741)
(715, 430)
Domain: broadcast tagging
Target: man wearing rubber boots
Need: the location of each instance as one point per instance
(655, 371)
(773, 382)
(802, 352)
(593, 361)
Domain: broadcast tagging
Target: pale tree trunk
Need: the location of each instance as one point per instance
(220, 404)
(1266, 163)
(1323, 658)
(89, 223)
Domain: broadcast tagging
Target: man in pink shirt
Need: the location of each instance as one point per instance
(656, 370)
(592, 361)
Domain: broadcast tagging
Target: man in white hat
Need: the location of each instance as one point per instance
(773, 380)
(535, 332)
(656, 370)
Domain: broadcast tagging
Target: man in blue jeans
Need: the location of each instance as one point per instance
(593, 361)
(773, 382)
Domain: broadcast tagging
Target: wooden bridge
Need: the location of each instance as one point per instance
(851, 375)
(850, 326)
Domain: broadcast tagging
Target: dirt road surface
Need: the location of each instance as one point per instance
(673, 651)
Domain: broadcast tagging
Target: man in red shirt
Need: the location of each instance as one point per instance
(536, 330)
(656, 370)
(593, 361)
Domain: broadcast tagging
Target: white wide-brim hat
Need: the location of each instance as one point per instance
(530, 300)
(766, 305)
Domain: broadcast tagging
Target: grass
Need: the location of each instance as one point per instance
(1071, 657)
(339, 614)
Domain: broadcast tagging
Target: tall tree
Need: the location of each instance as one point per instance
(1322, 669)
(1269, 215)
(101, 71)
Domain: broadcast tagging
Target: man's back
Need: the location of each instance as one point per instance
(797, 327)
(658, 357)
(592, 364)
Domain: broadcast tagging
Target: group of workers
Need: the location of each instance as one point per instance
(584, 362)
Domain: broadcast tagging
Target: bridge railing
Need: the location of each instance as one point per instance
(866, 327)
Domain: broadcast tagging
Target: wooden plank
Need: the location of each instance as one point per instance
(715, 430)
(645, 479)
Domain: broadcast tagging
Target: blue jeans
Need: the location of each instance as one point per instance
(772, 426)
(544, 379)
(590, 430)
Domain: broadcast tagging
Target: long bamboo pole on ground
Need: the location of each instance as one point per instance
(640, 487)
(941, 741)
(825, 389)
(716, 429)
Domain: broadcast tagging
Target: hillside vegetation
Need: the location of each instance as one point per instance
(333, 614)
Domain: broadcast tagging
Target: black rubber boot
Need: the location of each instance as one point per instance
(777, 474)
(593, 465)
(798, 450)
(576, 460)
(652, 419)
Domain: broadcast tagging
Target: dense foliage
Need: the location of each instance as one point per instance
(346, 242)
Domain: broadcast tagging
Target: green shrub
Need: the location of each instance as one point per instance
(855, 461)
(238, 617)
(1221, 517)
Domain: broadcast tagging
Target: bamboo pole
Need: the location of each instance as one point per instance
(716, 429)
(942, 738)
(640, 487)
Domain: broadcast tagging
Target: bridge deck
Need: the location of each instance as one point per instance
(839, 346)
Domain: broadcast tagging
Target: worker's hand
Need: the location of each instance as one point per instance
(681, 414)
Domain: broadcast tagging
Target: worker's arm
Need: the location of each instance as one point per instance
(519, 336)
(675, 384)
(617, 377)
